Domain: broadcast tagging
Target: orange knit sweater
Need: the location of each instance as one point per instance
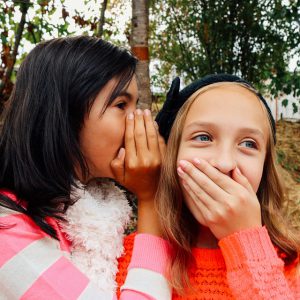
(245, 267)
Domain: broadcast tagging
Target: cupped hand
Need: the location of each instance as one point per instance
(222, 203)
(137, 167)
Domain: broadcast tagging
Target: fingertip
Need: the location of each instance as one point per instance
(121, 153)
(238, 171)
(238, 176)
(130, 116)
(147, 112)
(138, 112)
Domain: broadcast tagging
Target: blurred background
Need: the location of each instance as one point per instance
(257, 40)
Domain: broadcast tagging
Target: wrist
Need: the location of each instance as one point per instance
(148, 218)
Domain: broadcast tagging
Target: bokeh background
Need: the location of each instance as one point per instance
(258, 40)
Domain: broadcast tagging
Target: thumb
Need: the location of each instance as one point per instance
(241, 179)
(118, 166)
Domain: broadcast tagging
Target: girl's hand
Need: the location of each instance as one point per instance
(137, 167)
(225, 205)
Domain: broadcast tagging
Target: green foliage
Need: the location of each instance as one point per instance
(285, 102)
(45, 19)
(295, 108)
(253, 39)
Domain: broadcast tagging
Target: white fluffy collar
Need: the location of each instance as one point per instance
(95, 225)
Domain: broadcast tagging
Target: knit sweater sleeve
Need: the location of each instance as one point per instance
(145, 278)
(254, 271)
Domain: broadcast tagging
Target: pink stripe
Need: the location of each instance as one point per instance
(13, 197)
(61, 281)
(132, 295)
(21, 232)
(65, 244)
(150, 252)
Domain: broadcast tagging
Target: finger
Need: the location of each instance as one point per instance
(129, 136)
(222, 180)
(151, 132)
(195, 206)
(201, 195)
(241, 179)
(140, 133)
(203, 181)
(118, 166)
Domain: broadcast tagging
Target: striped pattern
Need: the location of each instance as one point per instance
(35, 266)
(148, 282)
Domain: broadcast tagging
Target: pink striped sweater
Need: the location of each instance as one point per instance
(35, 266)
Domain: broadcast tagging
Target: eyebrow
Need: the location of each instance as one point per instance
(251, 130)
(126, 94)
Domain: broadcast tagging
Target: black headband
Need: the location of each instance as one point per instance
(175, 99)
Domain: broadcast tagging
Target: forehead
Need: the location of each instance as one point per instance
(228, 105)
(231, 108)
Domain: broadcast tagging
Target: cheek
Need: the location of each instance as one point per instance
(100, 142)
(253, 172)
(189, 153)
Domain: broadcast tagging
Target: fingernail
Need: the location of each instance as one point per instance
(131, 116)
(238, 171)
(183, 163)
(121, 151)
(180, 171)
(138, 112)
(147, 112)
(197, 161)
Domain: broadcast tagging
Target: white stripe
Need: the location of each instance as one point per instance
(4, 211)
(20, 272)
(92, 293)
(148, 282)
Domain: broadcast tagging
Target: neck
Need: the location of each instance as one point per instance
(206, 239)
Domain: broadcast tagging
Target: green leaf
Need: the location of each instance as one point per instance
(295, 108)
(285, 102)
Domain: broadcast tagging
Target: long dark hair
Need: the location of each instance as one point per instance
(56, 86)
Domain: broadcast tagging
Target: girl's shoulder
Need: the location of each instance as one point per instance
(18, 230)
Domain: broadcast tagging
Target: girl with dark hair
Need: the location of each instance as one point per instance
(72, 118)
(220, 197)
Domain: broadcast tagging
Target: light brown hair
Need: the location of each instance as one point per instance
(179, 225)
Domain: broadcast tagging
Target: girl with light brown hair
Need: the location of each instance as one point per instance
(220, 198)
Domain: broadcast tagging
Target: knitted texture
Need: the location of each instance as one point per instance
(245, 267)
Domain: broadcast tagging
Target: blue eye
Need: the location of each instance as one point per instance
(202, 138)
(249, 144)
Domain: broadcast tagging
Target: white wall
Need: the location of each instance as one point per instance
(284, 112)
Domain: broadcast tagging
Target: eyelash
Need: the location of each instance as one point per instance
(203, 135)
(252, 142)
(121, 105)
(209, 139)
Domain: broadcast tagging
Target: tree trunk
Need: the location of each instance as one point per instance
(139, 47)
(6, 78)
(102, 19)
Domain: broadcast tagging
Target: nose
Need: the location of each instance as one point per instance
(224, 160)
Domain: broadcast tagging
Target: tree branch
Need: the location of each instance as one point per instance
(24, 8)
(102, 18)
